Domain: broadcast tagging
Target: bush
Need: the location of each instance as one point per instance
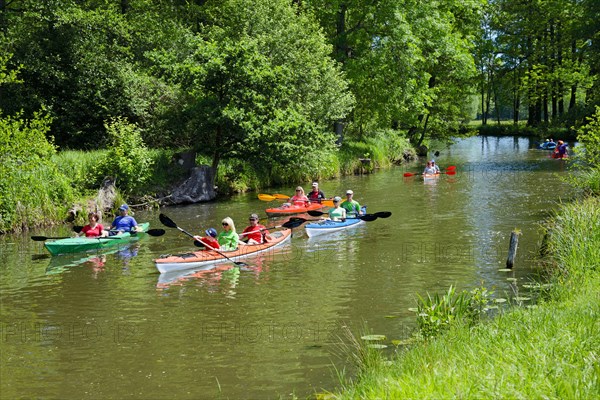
(127, 160)
(32, 189)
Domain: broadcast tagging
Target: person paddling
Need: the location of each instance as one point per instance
(255, 233)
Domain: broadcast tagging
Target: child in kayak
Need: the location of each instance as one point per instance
(210, 240)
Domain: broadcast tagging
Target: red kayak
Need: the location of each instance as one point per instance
(290, 209)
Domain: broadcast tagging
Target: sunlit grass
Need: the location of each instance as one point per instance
(551, 351)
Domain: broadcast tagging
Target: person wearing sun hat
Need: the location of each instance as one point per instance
(316, 195)
(210, 240)
(124, 222)
(352, 206)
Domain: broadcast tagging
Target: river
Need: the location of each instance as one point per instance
(110, 326)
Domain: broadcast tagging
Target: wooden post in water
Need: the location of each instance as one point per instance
(512, 248)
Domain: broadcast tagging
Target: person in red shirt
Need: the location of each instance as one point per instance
(93, 229)
(210, 240)
(255, 232)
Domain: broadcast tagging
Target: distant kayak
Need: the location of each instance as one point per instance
(81, 244)
(291, 209)
(547, 146)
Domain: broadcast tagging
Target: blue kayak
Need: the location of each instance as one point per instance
(328, 226)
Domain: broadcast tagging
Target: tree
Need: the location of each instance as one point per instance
(260, 85)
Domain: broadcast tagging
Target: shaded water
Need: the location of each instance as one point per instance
(109, 326)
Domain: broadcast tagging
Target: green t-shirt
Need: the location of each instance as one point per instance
(228, 240)
(351, 206)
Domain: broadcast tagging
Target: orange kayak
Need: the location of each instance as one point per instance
(203, 258)
(290, 209)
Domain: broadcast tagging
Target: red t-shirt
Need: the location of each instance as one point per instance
(210, 241)
(93, 232)
(257, 232)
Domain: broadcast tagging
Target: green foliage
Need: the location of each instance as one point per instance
(127, 160)
(436, 314)
(589, 140)
(32, 189)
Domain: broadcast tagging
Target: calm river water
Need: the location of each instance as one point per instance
(110, 326)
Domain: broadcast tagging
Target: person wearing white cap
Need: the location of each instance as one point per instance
(435, 167)
(124, 222)
(316, 195)
(352, 206)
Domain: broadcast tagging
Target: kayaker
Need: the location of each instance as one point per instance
(561, 150)
(228, 239)
(93, 229)
(299, 198)
(337, 213)
(124, 222)
(429, 169)
(316, 195)
(435, 167)
(210, 240)
(352, 206)
(255, 233)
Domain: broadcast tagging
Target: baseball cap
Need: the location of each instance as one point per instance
(432, 160)
(349, 191)
(124, 207)
(211, 232)
(254, 216)
(315, 184)
(337, 198)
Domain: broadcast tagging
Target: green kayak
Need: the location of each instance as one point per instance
(80, 244)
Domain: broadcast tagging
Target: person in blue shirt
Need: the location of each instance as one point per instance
(124, 222)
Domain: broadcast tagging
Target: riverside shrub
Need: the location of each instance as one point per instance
(32, 189)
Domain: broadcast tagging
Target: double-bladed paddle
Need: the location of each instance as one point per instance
(291, 224)
(271, 197)
(450, 172)
(168, 222)
(151, 232)
(366, 217)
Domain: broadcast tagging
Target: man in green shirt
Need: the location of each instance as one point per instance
(352, 207)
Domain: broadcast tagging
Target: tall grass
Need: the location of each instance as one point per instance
(549, 351)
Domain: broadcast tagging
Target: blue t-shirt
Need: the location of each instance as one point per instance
(125, 224)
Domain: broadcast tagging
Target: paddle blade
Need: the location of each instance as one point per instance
(383, 214)
(156, 232)
(39, 238)
(166, 221)
(327, 203)
(450, 173)
(294, 223)
(77, 228)
(266, 197)
(281, 196)
(315, 213)
(367, 217)
(407, 174)
(450, 167)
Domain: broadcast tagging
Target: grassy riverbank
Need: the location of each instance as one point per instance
(547, 351)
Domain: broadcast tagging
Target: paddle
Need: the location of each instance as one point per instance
(452, 172)
(151, 232)
(291, 224)
(271, 197)
(366, 217)
(42, 238)
(171, 224)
